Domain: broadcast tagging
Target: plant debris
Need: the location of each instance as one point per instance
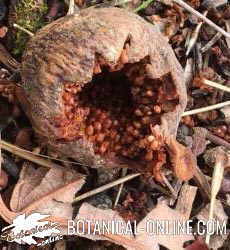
(142, 240)
(48, 192)
(115, 112)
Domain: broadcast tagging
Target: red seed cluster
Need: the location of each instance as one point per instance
(118, 109)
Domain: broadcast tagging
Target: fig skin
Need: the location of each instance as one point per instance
(65, 50)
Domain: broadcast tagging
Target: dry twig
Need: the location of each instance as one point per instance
(188, 71)
(205, 109)
(202, 17)
(23, 29)
(227, 24)
(124, 172)
(217, 177)
(194, 36)
(46, 156)
(217, 36)
(28, 156)
(216, 85)
(71, 7)
(105, 187)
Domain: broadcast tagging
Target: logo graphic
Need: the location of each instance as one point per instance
(23, 229)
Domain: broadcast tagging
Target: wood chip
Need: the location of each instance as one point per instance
(185, 200)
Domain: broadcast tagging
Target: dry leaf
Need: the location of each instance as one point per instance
(183, 160)
(161, 213)
(142, 240)
(199, 141)
(44, 191)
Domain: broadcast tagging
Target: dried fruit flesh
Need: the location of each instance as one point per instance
(103, 86)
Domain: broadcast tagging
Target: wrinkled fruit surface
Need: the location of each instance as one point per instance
(104, 88)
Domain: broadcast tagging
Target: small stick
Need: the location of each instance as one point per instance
(217, 36)
(44, 156)
(205, 109)
(217, 177)
(216, 85)
(206, 60)
(71, 7)
(194, 36)
(124, 172)
(199, 58)
(188, 71)
(105, 187)
(189, 33)
(205, 19)
(25, 155)
(23, 29)
(227, 25)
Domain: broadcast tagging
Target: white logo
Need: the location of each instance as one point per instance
(25, 228)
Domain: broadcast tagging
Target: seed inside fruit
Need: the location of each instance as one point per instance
(89, 130)
(117, 109)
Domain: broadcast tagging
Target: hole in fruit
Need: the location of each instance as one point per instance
(116, 110)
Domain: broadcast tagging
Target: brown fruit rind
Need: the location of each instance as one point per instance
(62, 92)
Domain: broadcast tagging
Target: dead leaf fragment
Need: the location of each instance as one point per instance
(199, 140)
(51, 190)
(44, 191)
(183, 160)
(142, 239)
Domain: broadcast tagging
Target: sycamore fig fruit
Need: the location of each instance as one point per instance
(91, 85)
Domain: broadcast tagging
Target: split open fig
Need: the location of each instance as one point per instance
(103, 87)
